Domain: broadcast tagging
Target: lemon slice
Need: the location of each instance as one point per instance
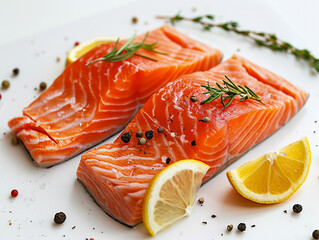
(172, 193)
(78, 51)
(275, 176)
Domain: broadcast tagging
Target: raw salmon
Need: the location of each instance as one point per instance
(87, 104)
(117, 175)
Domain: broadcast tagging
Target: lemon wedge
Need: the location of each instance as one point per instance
(81, 49)
(172, 193)
(274, 177)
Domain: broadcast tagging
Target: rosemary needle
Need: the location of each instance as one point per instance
(267, 40)
(127, 50)
(231, 90)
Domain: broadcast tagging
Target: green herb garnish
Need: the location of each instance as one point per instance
(228, 92)
(267, 40)
(127, 50)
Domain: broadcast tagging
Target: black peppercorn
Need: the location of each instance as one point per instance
(193, 143)
(126, 137)
(193, 99)
(15, 71)
(201, 200)
(205, 119)
(160, 130)
(315, 234)
(149, 134)
(241, 227)
(43, 86)
(134, 20)
(230, 228)
(139, 134)
(297, 208)
(213, 216)
(15, 140)
(59, 218)
(168, 160)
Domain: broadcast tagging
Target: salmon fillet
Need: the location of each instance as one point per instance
(117, 175)
(88, 104)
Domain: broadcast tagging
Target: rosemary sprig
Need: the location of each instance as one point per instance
(127, 50)
(267, 40)
(228, 92)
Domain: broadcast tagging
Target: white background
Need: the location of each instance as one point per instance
(34, 33)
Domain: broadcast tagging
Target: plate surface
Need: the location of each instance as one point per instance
(43, 192)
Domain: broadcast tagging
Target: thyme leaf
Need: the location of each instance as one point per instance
(267, 40)
(228, 92)
(127, 50)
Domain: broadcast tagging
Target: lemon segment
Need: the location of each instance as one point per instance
(81, 49)
(274, 177)
(172, 193)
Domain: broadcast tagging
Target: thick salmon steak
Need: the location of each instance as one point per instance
(88, 104)
(117, 175)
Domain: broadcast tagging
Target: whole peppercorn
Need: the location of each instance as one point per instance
(139, 134)
(5, 84)
(15, 140)
(76, 44)
(134, 20)
(315, 234)
(59, 218)
(193, 99)
(43, 86)
(14, 193)
(168, 160)
(160, 130)
(15, 71)
(141, 141)
(230, 228)
(193, 143)
(241, 227)
(297, 208)
(149, 134)
(205, 119)
(126, 137)
(201, 200)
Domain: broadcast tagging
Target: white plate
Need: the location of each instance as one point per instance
(43, 192)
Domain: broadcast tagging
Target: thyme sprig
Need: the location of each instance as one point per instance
(263, 39)
(228, 92)
(127, 50)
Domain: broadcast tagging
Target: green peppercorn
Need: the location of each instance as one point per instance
(141, 141)
(5, 84)
(43, 86)
(315, 234)
(59, 218)
(241, 227)
(297, 208)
